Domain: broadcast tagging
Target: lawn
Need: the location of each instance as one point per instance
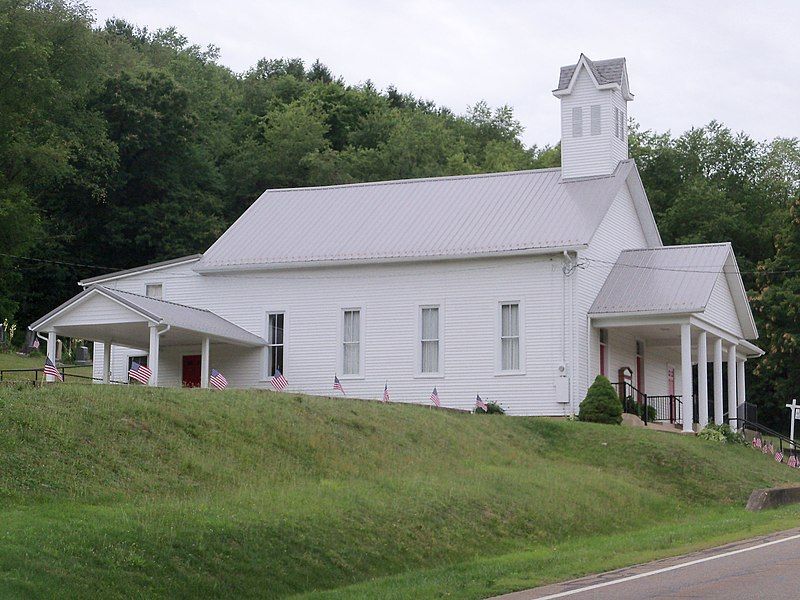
(116, 492)
(12, 360)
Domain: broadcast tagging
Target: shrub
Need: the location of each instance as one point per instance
(601, 405)
(492, 408)
(651, 412)
(722, 433)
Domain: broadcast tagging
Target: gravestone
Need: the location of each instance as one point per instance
(59, 348)
(82, 356)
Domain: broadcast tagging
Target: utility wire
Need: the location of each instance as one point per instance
(58, 262)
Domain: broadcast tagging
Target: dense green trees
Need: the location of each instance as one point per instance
(117, 137)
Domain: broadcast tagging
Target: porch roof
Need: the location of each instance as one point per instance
(101, 313)
(673, 279)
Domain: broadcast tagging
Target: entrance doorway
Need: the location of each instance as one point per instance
(191, 370)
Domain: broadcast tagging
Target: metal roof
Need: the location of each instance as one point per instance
(607, 71)
(141, 269)
(163, 312)
(416, 219)
(666, 279)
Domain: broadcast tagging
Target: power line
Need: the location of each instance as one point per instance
(58, 262)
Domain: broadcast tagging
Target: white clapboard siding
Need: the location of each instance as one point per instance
(619, 230)
(98, 310)
(622, 353)
(720, 310)
(468, 293)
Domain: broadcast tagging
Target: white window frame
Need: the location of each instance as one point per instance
(498, 344)
(265, 375)
(418, 372)
(340, 343)
(163, 289)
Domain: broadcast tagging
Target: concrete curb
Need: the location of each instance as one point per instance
(773, 497)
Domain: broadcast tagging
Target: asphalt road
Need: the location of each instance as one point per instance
(764, 568)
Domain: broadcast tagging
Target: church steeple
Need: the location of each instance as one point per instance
(594, 115)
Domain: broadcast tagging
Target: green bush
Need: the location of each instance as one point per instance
(722, 433)
(601, 405)
(492, 408)
(651, 412)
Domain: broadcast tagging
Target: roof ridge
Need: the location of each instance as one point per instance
(416, 180)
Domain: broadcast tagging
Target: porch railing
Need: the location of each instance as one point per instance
(653, 408)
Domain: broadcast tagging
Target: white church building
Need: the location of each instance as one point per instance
(518, 286)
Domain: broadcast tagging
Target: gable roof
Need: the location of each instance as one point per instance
(161, 312)
(141, 269)
(611, 72)
(673, 279)
(417, 219)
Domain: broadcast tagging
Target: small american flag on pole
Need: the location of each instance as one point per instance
(139, 372)
(337, 385)
(35, 344)
(435, 397)
(481, 404)
(217, 380)
(386, 392)
(279, 382)
(779, 456)
(793, 461)
(757, 442)
(50, 369)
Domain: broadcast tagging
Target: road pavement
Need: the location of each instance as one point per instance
(764, 568)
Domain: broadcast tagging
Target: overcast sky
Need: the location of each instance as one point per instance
(688, 61)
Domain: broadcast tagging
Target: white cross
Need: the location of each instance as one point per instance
(794, 406)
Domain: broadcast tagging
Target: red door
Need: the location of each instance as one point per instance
(191, 370)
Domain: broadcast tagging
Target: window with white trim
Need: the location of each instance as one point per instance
(596, 119)
(351, 341)
(429, 340)
(154, 290)
(577, 121)
(509, 336)
(275, 342)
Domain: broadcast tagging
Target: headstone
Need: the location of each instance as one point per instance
(82, 355)
(29, 337)
(59, 348)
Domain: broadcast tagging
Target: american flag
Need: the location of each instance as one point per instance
(35, 344)
(217, 380)
(481, 404)
(279, 381)
(386, 392)
(139, 372)
(435, 397)
(793, 461)
(779, 456)
(757, 442)
(337, 385)
(771, 448)
(50, 369)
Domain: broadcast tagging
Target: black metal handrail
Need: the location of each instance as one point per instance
(64, 374)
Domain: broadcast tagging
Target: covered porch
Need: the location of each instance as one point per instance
(146, 325)
(674, 358)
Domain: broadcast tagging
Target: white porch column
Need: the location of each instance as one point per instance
(152, 357)
(740, 391)
(732, 385)
(107, 362)
(51, 351)
(686, 378)
(718, 403)
(204, 362)
(702, 380)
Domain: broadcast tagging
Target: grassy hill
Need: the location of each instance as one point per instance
(120, 492)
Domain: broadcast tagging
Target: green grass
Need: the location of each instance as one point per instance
(12, 360)
(120, 492)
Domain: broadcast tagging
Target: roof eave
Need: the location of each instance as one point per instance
(306, 264)
(139, 270)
